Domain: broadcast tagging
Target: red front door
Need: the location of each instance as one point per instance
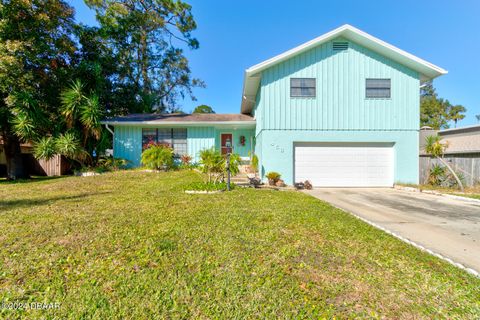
(226, 143)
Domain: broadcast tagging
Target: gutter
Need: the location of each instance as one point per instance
(170, 123)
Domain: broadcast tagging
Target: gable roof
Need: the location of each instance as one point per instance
(180, 119)
(252, 77)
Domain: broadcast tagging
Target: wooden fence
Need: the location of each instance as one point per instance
(466, 164)
(56, 166)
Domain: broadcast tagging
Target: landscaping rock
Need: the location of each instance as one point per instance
(308, 185)
(280, 183)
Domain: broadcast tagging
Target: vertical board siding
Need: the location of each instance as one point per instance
(128, 144)
(199, 139)
(340, 102)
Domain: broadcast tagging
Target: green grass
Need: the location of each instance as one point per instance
(133, 245)
(470, 192)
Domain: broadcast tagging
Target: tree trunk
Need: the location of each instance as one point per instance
(16, 168)
(460, 184)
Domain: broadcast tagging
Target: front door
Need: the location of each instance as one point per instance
(226, 143)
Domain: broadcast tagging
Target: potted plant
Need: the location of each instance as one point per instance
(273, 177)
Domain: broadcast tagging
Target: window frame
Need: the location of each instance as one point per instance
(171, 140)
(378, 88)
(303, 87)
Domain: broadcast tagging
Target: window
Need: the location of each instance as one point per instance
(175, 138)
(378, 88)
(303, 87)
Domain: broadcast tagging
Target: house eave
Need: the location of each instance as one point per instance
(181, 123)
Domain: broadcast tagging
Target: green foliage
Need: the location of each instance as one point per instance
(208, 186)
(66, 144)
(254, 163)
(213, 164)
(436, 175)
(158, 157)
(144, 38)
(273, 176)
(112, 164)
(203, 109)
(436, 112)
(434, 146)
(45, 148)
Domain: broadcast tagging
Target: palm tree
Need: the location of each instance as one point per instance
(76, 106)
(72, 100)
(435, 148)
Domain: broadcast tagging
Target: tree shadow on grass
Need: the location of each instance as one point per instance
(22, 203)
(33, 179)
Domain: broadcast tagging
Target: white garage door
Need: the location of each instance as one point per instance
(344, 165)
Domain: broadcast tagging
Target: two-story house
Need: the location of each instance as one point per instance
(339, 110)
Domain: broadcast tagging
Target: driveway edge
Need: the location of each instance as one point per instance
(416, 245)
(436, 193)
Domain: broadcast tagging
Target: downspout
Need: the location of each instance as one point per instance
(110, 130)
(113, 135)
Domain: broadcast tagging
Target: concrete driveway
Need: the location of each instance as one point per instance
(447, 226)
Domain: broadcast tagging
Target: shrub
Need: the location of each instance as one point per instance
(112, 164)
(254, 163)
(436, 175)
(186, 159)
(158, 157)
(213, 165)
(273, 177)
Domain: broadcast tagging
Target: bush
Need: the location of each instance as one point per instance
(212, 163)
(436, 175)
(158, 157)
(186, 159)
(273, 177)
(254, 163)
(112, 164)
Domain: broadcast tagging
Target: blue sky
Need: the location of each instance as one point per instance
(235, 35)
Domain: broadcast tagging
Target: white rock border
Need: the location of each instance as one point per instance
(471, 271)
(202, 191)
(436, 193)
(87, 174)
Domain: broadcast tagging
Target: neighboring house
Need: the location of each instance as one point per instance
(340, 110)
(463, 152)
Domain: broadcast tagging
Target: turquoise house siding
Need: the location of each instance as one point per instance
(128, 141)
(340, 103)
(243, 151)
(339, 112)
(127, 144)
(198, 139)
(275, 149)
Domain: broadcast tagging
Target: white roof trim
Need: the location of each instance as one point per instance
(426, 69)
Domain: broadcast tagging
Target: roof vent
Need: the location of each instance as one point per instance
(340, 45)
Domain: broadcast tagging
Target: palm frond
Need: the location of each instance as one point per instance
(72, 100)
(45, 148)
(90, 116)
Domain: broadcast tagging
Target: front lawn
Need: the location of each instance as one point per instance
(133, 245)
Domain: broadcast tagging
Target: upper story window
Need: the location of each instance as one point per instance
(303, 87)
(176, 138)
(378, 88)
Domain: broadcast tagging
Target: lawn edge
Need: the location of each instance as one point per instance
(437, 193)
(471, 271)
